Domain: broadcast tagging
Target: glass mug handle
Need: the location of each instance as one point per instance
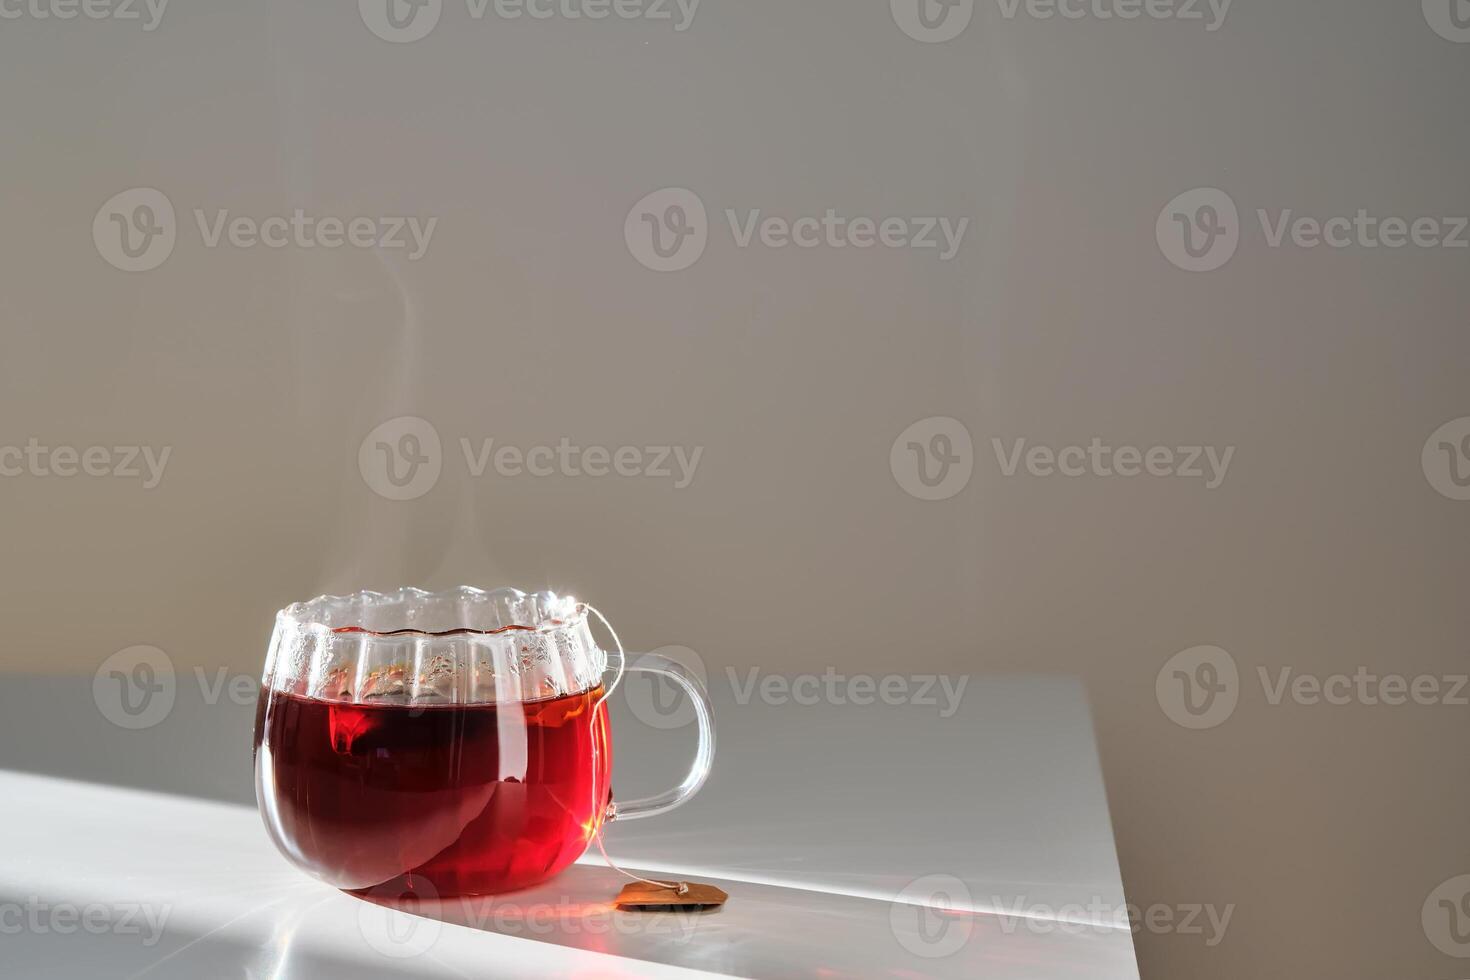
(704, 756)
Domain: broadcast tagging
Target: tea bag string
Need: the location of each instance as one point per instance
(599, 807)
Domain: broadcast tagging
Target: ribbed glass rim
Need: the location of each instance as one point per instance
(481, 612)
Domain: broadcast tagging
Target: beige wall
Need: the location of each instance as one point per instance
(795, 547)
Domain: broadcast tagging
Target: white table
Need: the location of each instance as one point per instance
(817, 819)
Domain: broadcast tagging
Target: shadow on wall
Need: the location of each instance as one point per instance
(192, 738)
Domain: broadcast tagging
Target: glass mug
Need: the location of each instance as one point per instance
(444, 744)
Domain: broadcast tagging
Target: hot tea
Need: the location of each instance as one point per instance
(470, 798)
(448, 743)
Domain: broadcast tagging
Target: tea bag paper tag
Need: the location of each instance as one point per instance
(642, 896)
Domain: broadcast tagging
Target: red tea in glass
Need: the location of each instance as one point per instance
(393, 794)
(443, 744)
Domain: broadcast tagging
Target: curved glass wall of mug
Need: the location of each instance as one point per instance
(433, 744)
